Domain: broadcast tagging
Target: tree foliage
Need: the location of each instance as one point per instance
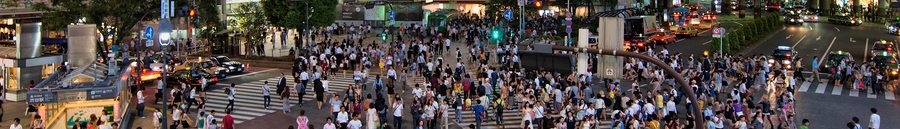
(114, 18)
(282, 14)
(250, 20)
(207, 16)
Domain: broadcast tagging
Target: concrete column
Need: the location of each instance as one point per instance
(16, 91)
(857, 8)
(28, 40)
(882, 7)
(825, 7)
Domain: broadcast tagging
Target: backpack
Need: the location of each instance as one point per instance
(481, 90)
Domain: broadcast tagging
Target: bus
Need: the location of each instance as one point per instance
(440, 19)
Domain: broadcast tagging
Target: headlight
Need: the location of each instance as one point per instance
(894, 72)
(787, 62)
(771, 61)
(852, 21)
(792, 20)
(801, 20)
(817, 17)
(230, 67)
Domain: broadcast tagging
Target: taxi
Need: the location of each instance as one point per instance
(687, 31)
(662, 38)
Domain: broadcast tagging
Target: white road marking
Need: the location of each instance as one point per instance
(804, 87)
(248, 74)
(872, 95)
(788, 37)
(798, 41)
(810, 27)
(889, 95)
(701, 32)
(854, 93)
(837, 29)
(836, 90)
(707, 42)
(821, 88)
(852, 41)
(817, 39)
(678, 40)
(826, 51)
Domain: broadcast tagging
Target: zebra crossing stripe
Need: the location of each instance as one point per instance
(889, 95)
(836, 90)
(805, 86)
(871, 95)
(854, 93)
(821, 88)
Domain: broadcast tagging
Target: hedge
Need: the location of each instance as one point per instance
(738, 39)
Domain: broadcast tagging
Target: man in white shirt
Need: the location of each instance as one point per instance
(418, 92)
(398, 113)
(355, 123)
(304, 77)
(343, 117)
(874, 120)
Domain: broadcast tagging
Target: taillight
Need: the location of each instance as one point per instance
(892, 62)
(788, 55)
(215, 79)
(846, 60)
(640, 44)
(889, 49)
(627, 43)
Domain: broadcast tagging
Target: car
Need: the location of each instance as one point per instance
(709, 17)
(894, 28)
(772, 6)
(783, 55)
(887, 62)
(687, 31)
(637, 45)
(233, 66)
(206, 65)
(793, 19)
(707, 24)
(809, 17)
(845, 20)
(145, 74)
(834, 59)
(889, 23)
(883, 47)
(190, 77)
(171, 60)
(662, 38)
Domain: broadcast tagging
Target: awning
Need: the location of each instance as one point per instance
(224, 32)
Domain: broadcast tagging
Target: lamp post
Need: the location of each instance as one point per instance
(165, 32)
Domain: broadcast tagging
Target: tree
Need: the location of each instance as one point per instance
(250, 21)
(114, 18)
(207, 16)
(282, 14)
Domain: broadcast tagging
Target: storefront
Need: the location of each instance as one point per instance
(25, 62)
(70, 97)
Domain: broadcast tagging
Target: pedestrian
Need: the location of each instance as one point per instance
(213, 124)
(815, 70)
(201, 121)
(139, 107)
(266, 98)
(37, 123)
(158, 118)
(874, 119)
(302, 120)
(16, 124)
(329, 124)
(398, 112)
(479, 113)
(228, 121)
(301, 91)
(285, 100)
(230, 93)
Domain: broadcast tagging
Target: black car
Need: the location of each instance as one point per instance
(171, 60)
(638, 45)
(225, 62)
(191, 77)
(783, 55)
(793, 19)
(845, 20)
(894, 28)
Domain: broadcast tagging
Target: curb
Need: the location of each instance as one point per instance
(760, 42)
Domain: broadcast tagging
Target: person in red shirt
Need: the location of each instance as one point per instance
(228, 121)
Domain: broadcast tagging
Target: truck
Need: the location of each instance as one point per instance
(640, 26)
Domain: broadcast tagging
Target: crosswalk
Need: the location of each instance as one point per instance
(248, 98)
(512, 119)
(821, 86)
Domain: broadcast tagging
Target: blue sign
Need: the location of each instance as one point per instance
(508, 14)
(568, 23)
(148, 33)
(391, 15)
(568, 29)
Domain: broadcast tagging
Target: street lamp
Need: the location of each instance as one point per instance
(165, 33)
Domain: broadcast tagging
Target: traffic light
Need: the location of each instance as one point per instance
(537, 4)
(496, 34)
(383, 37)
(193, 11)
